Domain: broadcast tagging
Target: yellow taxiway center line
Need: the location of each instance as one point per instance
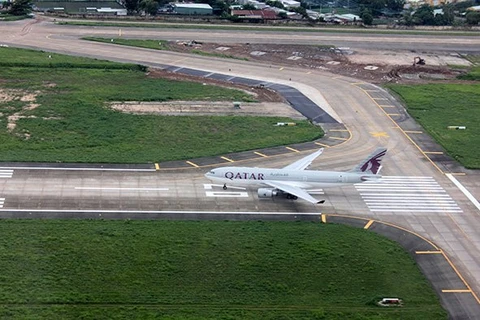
(338, 138)
(387, 106)
(260, 154)
(281, 69)
(380, 98)
(192, 164)
(428, 252)
(458, 174)
(157, 166)
(457, 291)
(413, 131)
(294, 150)
(227, 159)
(322, 145)
(338, 130)
(393, 114)
(433, 152)
(324, 218)
(369, 223)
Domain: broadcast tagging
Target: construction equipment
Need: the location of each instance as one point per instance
(418, 60)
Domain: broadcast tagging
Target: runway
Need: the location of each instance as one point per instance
(444, 214)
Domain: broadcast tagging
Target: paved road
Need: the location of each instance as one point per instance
(444, 214)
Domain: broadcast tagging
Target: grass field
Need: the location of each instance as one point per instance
(437, 106)
(157, 45)
(72, 123)
(93, 269)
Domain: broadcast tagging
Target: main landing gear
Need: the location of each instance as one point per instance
(291, 196)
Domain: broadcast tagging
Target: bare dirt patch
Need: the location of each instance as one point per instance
(370, 65)
(178, 108)
(7, 95)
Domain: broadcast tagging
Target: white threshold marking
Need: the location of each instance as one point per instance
(416, 210)
(410, 200)
(464, 190)
(128, 189)
(406, 177)
(404, 195)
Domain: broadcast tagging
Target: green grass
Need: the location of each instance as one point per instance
(9, 17)
(72, 123)
(157, 45)
(328, 29)
(437, 106)
(149, 44)
(71, 269)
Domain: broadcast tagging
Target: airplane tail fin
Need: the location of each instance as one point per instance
(372, 164)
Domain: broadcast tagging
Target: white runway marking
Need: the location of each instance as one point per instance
(406, 194)
(464, 190)
(224, 193)
(117, 189)
(2, 201)
(6, 173)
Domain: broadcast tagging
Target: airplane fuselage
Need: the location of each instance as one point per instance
(247, 176)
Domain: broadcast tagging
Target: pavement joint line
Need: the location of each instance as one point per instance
(456, 291)
(369, 223)
(406, 135)
(260, 154)
(338, 138)
(413, 131)
(192, 164)
(428, 252)
(464, 190)
(387, 106)
(324, 218)
(227, 159)
(380, 98)
(322, 145)
(292, 149)
(433, 152)
(157, 166)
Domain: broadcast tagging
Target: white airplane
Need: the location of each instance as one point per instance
(293, 181)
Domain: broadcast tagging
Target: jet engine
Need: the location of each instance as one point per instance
(267, 193)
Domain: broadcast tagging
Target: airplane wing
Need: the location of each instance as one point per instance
(303, 163)
(296, 191)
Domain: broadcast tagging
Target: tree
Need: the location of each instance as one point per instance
(424, 15)
(131, 5)
(149, 6)
(20, 7)
(249, 6)
(473, 18)
(395, 5)
(276, 4)
(367, 18)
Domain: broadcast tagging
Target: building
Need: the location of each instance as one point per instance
(255, 15)
(192, 8)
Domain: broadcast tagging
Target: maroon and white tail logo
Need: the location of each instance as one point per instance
(373, 164)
